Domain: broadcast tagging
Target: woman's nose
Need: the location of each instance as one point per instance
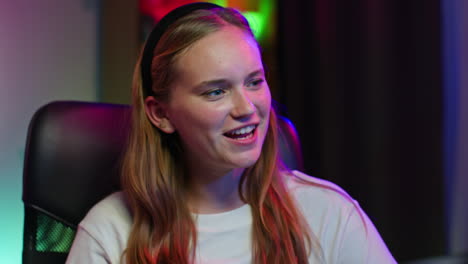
(242, 105)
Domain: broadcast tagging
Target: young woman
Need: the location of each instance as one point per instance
(201, 178)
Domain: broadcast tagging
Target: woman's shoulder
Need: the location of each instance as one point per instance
(102, 235)
(301, 182)
(316, 192)
(344, 230)
(109, 216)
(113, 204)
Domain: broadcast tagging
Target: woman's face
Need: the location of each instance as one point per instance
(220, 101)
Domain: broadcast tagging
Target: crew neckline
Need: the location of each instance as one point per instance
(225, 220)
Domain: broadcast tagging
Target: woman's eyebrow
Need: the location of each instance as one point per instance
(223, 82)
(211, 83)
(255, 73)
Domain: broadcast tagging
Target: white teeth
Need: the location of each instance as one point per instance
(246, 137)
(244, 130)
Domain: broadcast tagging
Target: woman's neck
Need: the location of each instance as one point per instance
(211, 193)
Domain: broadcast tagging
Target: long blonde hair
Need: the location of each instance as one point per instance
(163, 230)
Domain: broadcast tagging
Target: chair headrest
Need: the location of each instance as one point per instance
(72, 156)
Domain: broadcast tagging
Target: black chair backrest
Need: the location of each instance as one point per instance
(72, 161)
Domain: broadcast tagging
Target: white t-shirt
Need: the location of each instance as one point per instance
(225, 238)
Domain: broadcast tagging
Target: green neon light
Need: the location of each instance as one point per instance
(258, 20)
(257, 23)
(219, 2)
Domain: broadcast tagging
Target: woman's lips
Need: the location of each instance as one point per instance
(242, 133)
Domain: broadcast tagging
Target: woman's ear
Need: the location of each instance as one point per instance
(156, 113)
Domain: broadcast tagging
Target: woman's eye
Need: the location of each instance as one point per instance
(213, 94)
(256, 82)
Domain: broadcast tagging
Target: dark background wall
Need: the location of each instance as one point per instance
(362, 80)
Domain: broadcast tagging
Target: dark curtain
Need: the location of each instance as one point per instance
(362, 81)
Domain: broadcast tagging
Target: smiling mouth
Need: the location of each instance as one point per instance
(241, 133)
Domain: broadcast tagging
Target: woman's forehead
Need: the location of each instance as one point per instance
(229, 50)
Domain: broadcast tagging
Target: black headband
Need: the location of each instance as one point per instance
(155, 35)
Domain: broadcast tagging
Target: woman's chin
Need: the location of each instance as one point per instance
(246, 161)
